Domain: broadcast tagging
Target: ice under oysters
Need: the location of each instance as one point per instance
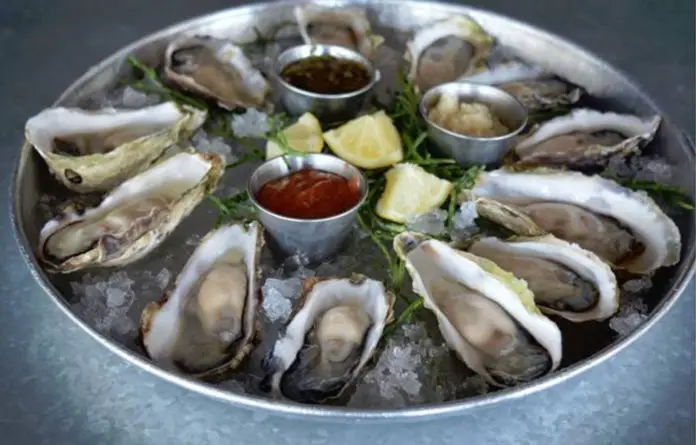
(584, 138)
(216, 69)
(623, 227)
(131, 220)
(207, 323)
(329, 339)
(486, 315)
(91, 151)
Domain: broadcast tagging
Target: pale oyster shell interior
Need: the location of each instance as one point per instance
(340, 318)
(344, 26)
(443, 51)
(97, 150)
(486, 315)
(207, 323)
(585, 138)
(216, 69)
(624, 227)
(566, 279)
(133, 219)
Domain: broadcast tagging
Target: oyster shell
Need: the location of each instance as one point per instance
(216, 69)
(446, 50)
(584, 138)
(133, 219)
(94, 151)
(623, 227)
(330, 339)
(207, 323)
(534, 87)
(485, 314)
(565, 279)
(344, 26)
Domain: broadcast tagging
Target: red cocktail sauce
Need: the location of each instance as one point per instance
(309, 194)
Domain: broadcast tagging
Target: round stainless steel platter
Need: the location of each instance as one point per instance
(108, 303)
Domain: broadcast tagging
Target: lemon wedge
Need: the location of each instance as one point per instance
(370, 141)
(304, 135)
(411, 191)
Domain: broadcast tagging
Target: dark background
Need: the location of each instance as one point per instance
(58, 386)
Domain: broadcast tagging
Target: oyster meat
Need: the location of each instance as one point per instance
(94, 151)
(623, 227)
(343, 26)
(216, 69)
(584, 138)
(206, 324)
(445, 51)
(329, 339)
(485, 314)
(565, 279)
(133, 219)
(534, 87)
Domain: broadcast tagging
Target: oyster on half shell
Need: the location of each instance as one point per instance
(329, 339)
(584, 138)
(206, 325)
(94, 151)
(626, 228)
(343, 26)
(485, 314)
(446, 50)
(533, 86)
(133, 219)
(565, 279)
(216, 69)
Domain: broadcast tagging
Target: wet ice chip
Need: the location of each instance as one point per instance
(250, 124)
(115, 297)
(431, 223)
(637, 286)
(104, 302)
(464, 221)
(277, 296)
(162, 278)
(626, 322)
(213, 145)
(132, 98)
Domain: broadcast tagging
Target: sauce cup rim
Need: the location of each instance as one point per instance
(357, 56)
(423, 109)
(257, 204)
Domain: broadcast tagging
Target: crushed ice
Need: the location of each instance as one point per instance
(278, 295)
(465, 221)
(104, 303)
(132, 98)
(431, 223)
(250, 124)
(632, 310)
(403, 373)
(215, 145)
(642, 168)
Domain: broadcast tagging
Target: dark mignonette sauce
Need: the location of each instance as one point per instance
(326, 75)
(309, 194)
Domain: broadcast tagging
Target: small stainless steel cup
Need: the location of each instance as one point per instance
(318, 239)
(470, 150)
(327, 107)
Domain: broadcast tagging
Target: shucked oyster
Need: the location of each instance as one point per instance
(445, 50)
(346, 26)
(584, 138)
(623, 227)
(133, 219)
(207, 323)
(90, 151)
(330, 339)
(216, 69)
(565, 279)
(485, 314)
(531, 85)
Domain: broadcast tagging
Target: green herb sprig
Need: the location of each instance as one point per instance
(149, 82)
(671, 195)
(236, 207)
